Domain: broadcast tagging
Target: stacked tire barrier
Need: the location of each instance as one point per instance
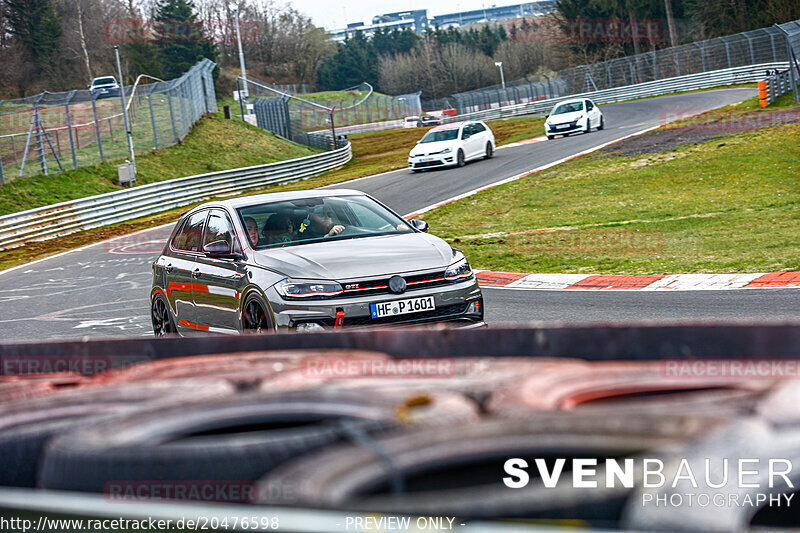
(412, 422)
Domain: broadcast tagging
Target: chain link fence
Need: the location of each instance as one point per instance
(765, 45)
(50, 132)
(314, 123)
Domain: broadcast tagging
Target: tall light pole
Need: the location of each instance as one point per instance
(242, 93)
(502, 77)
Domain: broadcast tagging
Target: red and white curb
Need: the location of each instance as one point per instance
(674, 282)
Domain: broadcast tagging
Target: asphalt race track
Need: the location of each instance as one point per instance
(102, 290)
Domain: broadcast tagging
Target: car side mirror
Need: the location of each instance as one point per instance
(219, 249)
(419, 225)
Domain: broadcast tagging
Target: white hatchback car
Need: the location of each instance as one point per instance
(573, 116)
(452, 145)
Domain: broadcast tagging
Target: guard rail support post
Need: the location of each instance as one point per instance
(69, 129)
(152, 117)
(762, 93)
(97, 130)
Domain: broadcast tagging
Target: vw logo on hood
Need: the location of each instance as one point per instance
(397, 285)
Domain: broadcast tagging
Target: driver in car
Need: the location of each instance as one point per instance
(319, 224)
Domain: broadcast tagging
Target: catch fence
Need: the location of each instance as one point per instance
(50, 132)
(305, 121)
(765, 45)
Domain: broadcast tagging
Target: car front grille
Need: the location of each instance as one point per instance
(427, 164)
(381, 285)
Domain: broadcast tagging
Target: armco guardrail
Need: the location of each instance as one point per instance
(775, 84)
(95, 211)
(703, 80)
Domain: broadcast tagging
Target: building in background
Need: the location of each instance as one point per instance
(417, 20)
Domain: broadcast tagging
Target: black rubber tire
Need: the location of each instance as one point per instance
(161, 317)
(27, 425)
(239, 438)
(602, 124)
(457, 471)
(489, 151)
(460, 161)
(253, 321)
(551, 137)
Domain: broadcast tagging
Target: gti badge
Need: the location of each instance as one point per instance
(397, 285)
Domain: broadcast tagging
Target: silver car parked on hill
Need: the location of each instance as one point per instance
(307, 260)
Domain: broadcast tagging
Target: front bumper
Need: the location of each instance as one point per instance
(559, 129)
(432, 161)
(458, 303)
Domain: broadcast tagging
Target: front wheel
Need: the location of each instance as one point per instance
(460, 158)
(489, 151)
(162, 320)
(254, 315)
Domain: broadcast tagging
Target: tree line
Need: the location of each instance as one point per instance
(61, 44)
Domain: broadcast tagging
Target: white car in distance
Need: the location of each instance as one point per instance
(578, 115)
(452, 145)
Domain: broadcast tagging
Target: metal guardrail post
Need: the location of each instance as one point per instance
(152, 117)
(181, 97)
(175, 137)
(702, 56)
(655, 65)
(793, 62)
(727, 51)
(97, 130)
(69, 130)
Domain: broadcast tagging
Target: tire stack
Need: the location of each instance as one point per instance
(358, 430)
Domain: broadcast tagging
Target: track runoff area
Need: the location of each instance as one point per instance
(101, 290)
(199, 418)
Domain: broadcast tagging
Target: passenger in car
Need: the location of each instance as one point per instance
(278, 229)
(252, 230)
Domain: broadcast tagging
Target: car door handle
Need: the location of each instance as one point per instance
(168, 268)
(196, 273)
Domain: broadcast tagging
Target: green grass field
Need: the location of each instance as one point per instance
(728, 205)
(214, 144)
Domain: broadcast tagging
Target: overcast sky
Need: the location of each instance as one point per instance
(337, 14)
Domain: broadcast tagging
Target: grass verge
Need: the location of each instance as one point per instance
(373, 153)
(383, 151)
(727, 205)
(214, 144)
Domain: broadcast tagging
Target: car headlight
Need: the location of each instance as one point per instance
(299, 289)
(445, 151)
(458, 270)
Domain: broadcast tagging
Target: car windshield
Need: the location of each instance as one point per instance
(308, 220)
(568, 108)
(441, 135)
(104, 81)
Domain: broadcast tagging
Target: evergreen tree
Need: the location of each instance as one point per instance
(34, 25)
(355, 61)
(180, 38)
(141, 56)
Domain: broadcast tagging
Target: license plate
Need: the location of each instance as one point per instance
(427, 159)
(402, 307)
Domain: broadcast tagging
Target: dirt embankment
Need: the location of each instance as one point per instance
(702, 128)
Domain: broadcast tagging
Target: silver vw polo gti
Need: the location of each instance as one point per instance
(307, 260)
